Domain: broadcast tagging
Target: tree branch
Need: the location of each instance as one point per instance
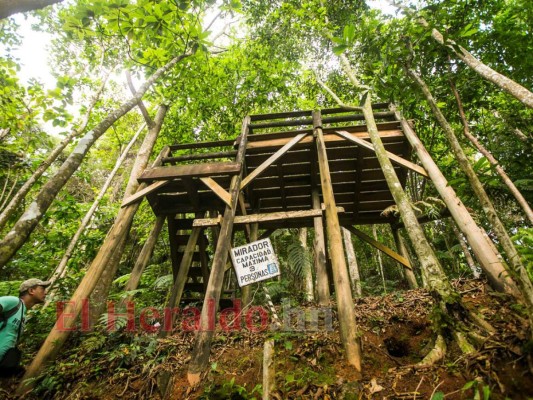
(335, 97)
(142, 108)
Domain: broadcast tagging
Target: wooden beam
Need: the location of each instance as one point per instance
(242, 206)
(200, 156)
(204, 336)
(174, 257)
(217, 189)
(191, 185)
(258, 218)
(273, 158)
(319, 253)
(393, 157)
(343, 293)
(328, 138)
(190, 170)
(266, 233)
(181, 278)
(381, 247)
(141, 193)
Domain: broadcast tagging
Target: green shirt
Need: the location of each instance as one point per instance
(8, 335)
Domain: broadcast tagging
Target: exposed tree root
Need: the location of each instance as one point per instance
(481, 322)
(465, 346)
(436, 354)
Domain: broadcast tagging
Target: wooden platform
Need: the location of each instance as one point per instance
(195, 178)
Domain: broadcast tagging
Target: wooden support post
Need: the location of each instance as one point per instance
(400, 246)
(353, 268)
(174, 257)
(319, 247)
(269, 370)
(181, 278)
(202, 345)
(144, 257)
(381, 247)
(488, 256)
(345, 305)
(246, 291)
(308, 272)
(204, 259)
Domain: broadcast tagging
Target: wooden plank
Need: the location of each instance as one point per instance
(382, 126)
(202, 145)
(293, 156)
(263, 217)
(289, 114)
(329, 138)
(272, 159)
(192, 170)
(336, 110)
(381, 247)
(200, 156)
(327, 120)
(141, 193)
(217, 189)
(393, 157)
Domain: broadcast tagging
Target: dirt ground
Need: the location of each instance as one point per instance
(395, 333)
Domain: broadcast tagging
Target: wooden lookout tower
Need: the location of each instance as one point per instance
(293, 169)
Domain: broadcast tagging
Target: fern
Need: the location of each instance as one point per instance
(297, 258)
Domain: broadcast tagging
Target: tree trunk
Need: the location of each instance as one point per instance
(6, 198)
(60, 332)
(469, 259)
(103, 287)
(10, 7)
(3, 133)
(15, 202)
(488, 155)
(483, 248)
(18, 235)
(307, 273)
(402, 249)
(353, 268)
(518, 269)
(431, 268)
(61, 268)
(508, 85)
(380, 261)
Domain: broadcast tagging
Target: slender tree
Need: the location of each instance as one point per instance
(488, 155)
(518, 270)
(35, 211)
(19, 197)
(61, 268)
(513, 88)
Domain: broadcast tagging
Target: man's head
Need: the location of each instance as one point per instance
(33, 291)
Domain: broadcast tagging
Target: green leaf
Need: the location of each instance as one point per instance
(437, 396)
(338, 50)
(349, 34)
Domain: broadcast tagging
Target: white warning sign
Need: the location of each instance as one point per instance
(255, 262)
